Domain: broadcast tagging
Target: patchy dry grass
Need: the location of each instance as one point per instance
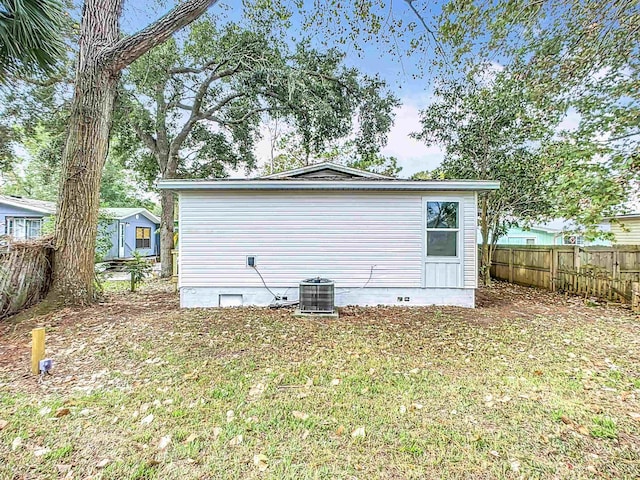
(529, 385)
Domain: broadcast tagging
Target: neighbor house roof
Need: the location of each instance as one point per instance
(544, 228)
(43, 206)
(122, 213)
(40, 206)
(326, 176)
(627, 216)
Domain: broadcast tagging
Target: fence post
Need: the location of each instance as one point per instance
(635, 297)
(576, 268)
(553, 269)
(511, 265)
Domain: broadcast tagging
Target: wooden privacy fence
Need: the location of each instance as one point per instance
(608, 273)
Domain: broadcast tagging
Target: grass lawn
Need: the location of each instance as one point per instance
(528, 385)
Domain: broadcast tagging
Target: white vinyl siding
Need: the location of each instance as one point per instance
(296, 235)
(629, 235)
(470, 241)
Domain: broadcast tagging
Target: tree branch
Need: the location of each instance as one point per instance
(179, 70)
(129, 49)
(244, 118)
(221, 104)
(146, 137)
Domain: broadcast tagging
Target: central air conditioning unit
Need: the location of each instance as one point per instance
(317, 295)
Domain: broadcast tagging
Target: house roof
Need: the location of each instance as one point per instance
(223, 184)
(40, 206)
(627, 216)
(326, 170)
(327, 176)
(545, 228)
(122, 213)
(43, 206)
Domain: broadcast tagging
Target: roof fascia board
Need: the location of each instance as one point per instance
(27, 207)
(326, 185)
(143, 211)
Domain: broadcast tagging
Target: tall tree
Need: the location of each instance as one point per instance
(31, 36)
(582, 55)
(490, 130)
(103, 53)
(196, 105)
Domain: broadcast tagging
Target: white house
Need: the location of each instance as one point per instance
(383, 241)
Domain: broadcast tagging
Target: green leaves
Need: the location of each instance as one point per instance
(578, 58)
(197, 105)
(139, 268)
(31, 36)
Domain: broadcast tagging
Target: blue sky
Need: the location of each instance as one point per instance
(407, 76)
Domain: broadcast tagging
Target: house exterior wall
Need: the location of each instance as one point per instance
(131, 223)
(372, 244)
(632, 237)
(518, 236)
(11, 211)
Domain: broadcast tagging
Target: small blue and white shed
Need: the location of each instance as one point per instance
(132, 229)
(381, 240)
(129, 229)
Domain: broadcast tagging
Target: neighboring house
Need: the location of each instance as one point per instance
(22, 218)
(381, 240)
(130, 228)
(626, 229)
(556, 232)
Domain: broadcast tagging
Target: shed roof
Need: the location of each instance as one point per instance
(122, 213)
(40, 206)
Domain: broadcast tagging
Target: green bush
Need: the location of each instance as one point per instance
(138, 268)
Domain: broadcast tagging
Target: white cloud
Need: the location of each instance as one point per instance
(413, 155)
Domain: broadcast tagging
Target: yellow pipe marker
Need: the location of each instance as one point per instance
(37, 349)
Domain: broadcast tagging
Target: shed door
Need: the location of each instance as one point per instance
(443, 242)
(121, 239)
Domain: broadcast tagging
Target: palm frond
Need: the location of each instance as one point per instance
(31, 36)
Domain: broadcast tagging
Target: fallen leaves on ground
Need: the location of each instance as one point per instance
(527, 384)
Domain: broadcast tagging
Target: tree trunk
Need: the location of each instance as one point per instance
(166, 233)
(485, 263)
(84, 156)
(169, 166)
(102, 55)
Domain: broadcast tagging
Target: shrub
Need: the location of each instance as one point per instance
(138, 268)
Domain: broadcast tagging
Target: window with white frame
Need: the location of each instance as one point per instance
(573, 240)
(23, 227)
(442, 229)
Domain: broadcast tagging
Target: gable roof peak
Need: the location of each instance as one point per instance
(327, 170)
